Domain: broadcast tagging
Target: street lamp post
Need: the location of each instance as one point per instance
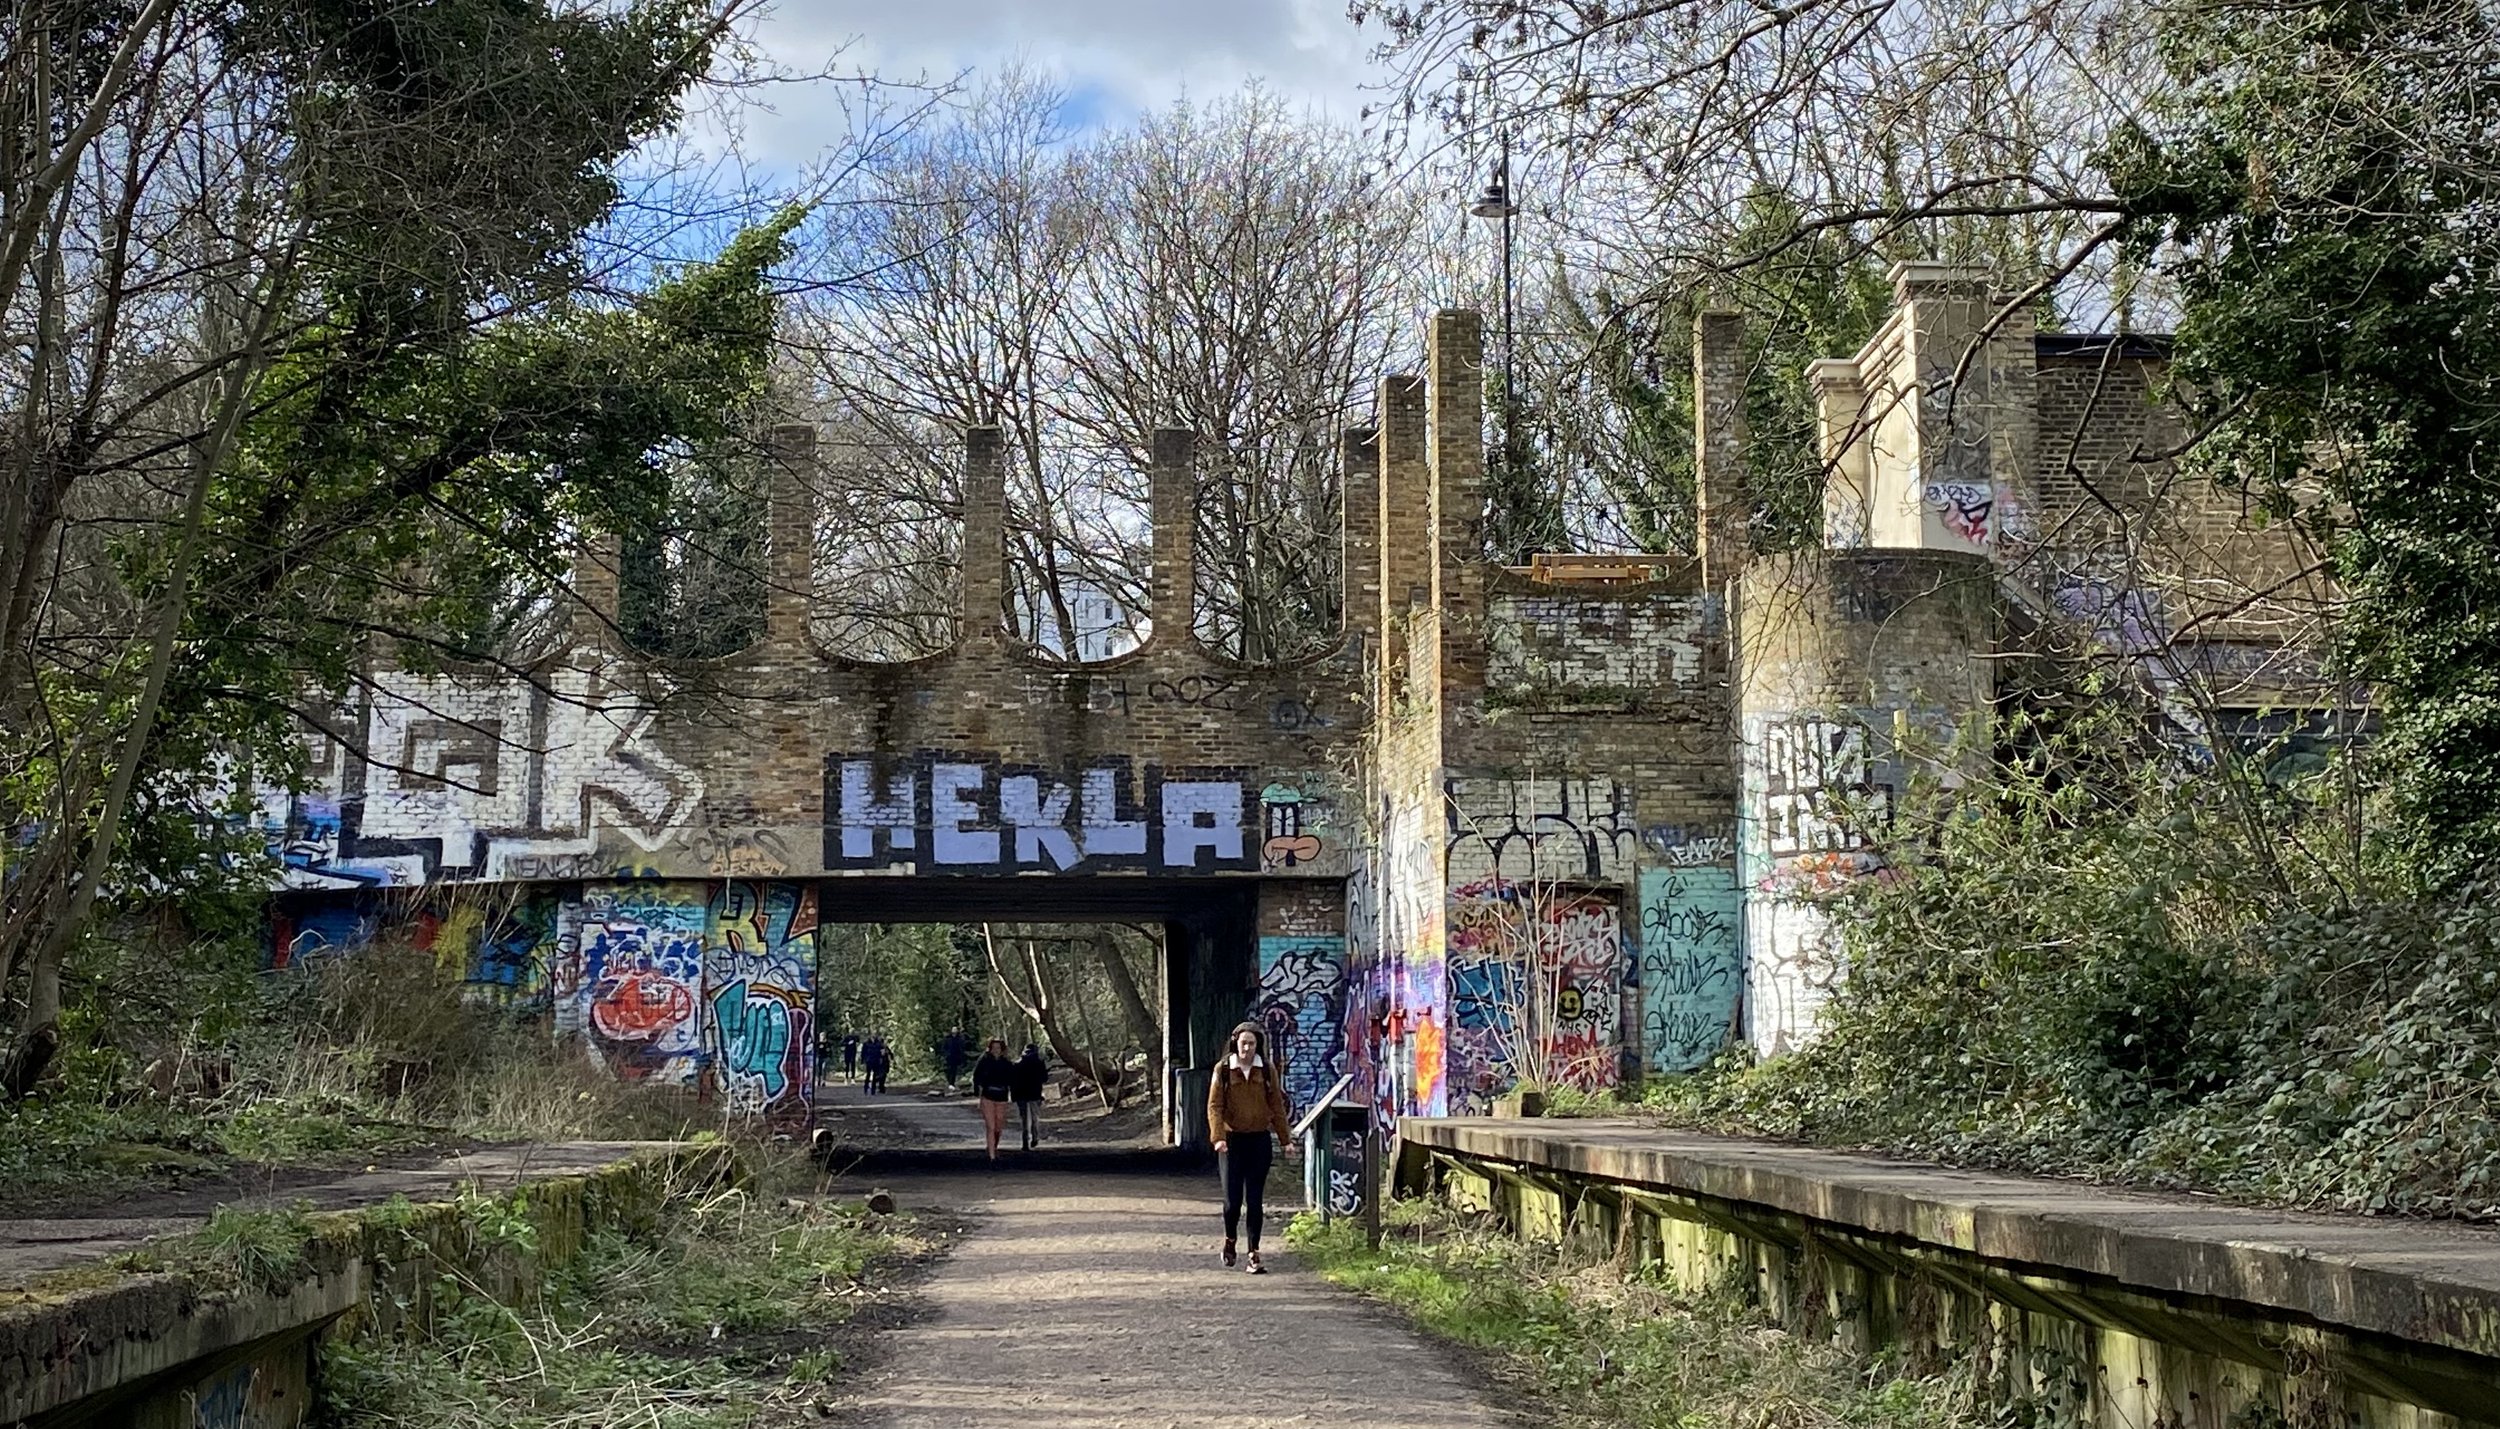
(1495, 203)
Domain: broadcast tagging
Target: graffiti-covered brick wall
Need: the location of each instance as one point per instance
(1573, 822)
(1862, 672)
(705, 987)
(786, 761)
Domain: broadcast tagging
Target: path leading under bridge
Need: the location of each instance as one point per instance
(1095, 1301)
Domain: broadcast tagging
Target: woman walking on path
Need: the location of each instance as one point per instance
(1247, 1117)
(994, 1078)
(1029, 1077)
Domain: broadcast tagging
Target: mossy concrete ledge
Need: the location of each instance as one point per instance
(169, 1336)
(2094, 1307)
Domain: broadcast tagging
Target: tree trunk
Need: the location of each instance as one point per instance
(1043, 1013)
(39, 1026)
(1142, 1023)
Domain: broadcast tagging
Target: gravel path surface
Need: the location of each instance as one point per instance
(1097, 1302)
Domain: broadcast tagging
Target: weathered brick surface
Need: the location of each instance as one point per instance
(1509, 826)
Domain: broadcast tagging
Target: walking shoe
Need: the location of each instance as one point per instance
(1255, 1267)
(1228, 1255)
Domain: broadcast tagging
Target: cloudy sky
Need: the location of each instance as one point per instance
(1115, 57)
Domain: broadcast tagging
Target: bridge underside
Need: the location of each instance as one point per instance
(1210, 940)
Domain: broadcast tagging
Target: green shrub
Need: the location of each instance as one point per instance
(2189, 976)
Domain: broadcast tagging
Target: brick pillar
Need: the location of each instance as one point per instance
(790, 533)
(1359, 489)
(1841, 420)
(1174, 493)
(1457, 425)
(1405, 491)
(1944, 311)
(1722, 488)
(594, 585)
(985, 535)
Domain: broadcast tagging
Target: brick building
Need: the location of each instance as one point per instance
(1570, 822)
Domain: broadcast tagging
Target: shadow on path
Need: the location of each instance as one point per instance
(1080, 1299)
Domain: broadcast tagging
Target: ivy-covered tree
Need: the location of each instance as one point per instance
(309, 326)
(2323, 187)
(1609, 426)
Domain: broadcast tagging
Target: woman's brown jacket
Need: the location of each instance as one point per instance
(1252, 1102)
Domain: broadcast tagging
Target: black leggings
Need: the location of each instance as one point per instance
(1244, 1166)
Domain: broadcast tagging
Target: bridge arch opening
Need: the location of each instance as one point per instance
(1207, 957)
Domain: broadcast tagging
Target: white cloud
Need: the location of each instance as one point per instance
(1115, 57)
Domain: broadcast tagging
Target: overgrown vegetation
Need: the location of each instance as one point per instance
(175, 1069)
(2186, 974)
(726, 1312)
(1593, 1345)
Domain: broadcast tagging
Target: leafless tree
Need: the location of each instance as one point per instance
(1230, 268)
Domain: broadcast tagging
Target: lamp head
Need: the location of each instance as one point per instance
(1494, 202)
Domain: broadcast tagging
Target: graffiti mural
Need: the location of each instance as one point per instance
(1964, 507)
(759, 978)
(1540, 830)
(641, 950)
(1813, 803)
(1288, 842)
(1817, 789)
(1543, 645)
(1301, 1003)
(479, 779)
(1345, 1174)
(300, 929)
(969, 814)
(1412, 997)
(1692, 968)
(1524, 957)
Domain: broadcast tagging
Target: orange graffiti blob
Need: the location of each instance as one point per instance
(638, 1007)
(1429, 1061)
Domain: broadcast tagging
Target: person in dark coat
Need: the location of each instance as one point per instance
(954, 1050)
(994, 1080)
(876, 1058)
(1026, 1085)
(850, 1057)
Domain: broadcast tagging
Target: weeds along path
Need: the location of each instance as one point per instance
(1095, 1301)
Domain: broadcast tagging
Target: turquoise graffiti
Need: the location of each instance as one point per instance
(1301, 1004)
(757, 1041)
(759, 977)
(1692, 964)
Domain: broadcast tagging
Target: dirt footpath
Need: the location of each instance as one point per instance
(1095, 1301)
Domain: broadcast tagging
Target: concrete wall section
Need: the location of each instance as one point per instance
(2070, 1305)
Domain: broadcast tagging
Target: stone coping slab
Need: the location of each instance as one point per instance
(32, 1246)
(2425, 1282)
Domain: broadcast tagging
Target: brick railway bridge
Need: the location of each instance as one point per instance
(1632, 776)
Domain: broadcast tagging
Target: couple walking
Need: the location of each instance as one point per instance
(1001, 1082)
